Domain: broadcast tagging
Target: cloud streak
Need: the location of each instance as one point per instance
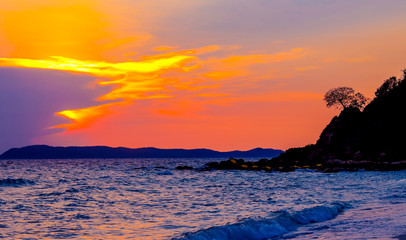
(176, 74)
(132, 80)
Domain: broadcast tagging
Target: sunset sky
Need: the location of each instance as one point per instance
(219, 74)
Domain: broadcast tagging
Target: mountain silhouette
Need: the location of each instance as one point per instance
(49, 152)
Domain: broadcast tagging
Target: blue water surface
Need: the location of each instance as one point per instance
(149, 199)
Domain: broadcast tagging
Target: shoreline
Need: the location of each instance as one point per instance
(328, 167)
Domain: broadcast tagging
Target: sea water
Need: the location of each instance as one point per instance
(150, 199)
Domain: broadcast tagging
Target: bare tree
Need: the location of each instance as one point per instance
(344, 97)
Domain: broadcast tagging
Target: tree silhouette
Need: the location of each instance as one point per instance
(387, 86)
(345, 97)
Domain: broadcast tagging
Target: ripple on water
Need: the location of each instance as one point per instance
(132, 198)
(11, 182)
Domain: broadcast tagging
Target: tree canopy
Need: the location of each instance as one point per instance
(387, 86)
(345, 97)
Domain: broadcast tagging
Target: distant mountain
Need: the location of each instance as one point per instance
(49, 152)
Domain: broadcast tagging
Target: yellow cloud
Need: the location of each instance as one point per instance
(139, 80)
(222, 74)
(197, 51)
(157, 77)
(99, 68)
(83, 117)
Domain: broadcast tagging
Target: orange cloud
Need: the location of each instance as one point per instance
(249, 68)
(271, 97)
(163, 76)
(139, 80)
(222, 74)
(84, 117)
(265, 58)
(197, 51)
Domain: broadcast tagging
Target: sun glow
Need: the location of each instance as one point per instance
(98, 68)
(58, 28)
(83, 117)
(132, 81)
(179, 74)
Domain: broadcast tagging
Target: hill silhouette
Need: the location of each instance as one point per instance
(372, 139)
(49, 152)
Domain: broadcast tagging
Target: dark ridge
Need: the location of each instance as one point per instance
(372, 139)
(49, 152)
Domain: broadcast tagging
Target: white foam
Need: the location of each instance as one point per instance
(258, 229)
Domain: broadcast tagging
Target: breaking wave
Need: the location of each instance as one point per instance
(259, 229)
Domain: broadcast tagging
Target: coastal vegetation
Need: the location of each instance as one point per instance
(370, 137)
(345, 97)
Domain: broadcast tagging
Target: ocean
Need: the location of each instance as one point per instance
(150, 199)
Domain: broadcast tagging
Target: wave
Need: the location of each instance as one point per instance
(260, 229)
(10, 182)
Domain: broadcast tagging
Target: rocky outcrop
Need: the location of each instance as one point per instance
(372, 139)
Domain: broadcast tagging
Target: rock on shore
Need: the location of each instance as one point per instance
(373, 139)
